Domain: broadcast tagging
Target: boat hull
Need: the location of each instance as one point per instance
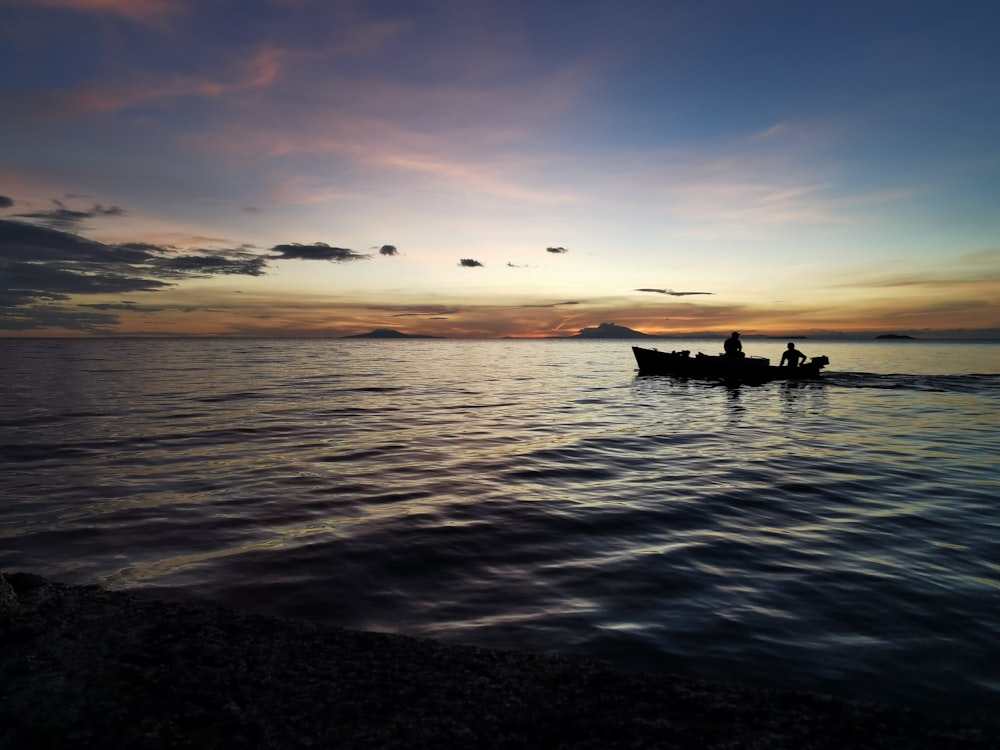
(704, 366)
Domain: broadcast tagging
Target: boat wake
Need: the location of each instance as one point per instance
(974, 383)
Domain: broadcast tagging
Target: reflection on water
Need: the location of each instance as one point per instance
(838, 535)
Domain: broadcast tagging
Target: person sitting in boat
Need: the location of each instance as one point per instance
(792, 356)
(733, 346)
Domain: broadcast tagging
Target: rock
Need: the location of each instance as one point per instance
(93, 668)
(8, 601)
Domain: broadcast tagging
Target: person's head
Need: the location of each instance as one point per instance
(736, 334)
(791, 344)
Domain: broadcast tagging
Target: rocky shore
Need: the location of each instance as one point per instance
(83, 667)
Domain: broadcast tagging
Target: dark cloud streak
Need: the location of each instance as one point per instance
(184, 266)
(41, 318)
(41, 265)
(470, 263)
(42, 282)
(671, 292)
(403, 311)
(316, 251)
(67, 219)
(551, 304)
(424, 314)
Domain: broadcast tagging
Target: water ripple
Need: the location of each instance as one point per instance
(838, 536)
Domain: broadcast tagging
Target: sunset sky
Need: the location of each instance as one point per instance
(484, 169)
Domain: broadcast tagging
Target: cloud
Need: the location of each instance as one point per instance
(455, 135)
(6, 202)
(52, 250)
(470, 263)
(40, 265)
(13, 298)
(551, 304)
(40, 281)
(556, 250)
(971, 270)
(671, 292)
(42, 318)
(145, 91)
(20, 241)
(124, 305)
(433, 315)
(405, 311)
(983, 256)
(388, 250)
(237, 264)
(141, 11)
(67, 219)
(316, 251)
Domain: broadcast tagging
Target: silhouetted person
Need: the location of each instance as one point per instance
(792, 356)
(733, 346)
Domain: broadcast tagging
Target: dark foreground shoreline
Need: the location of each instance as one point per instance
(81, 666)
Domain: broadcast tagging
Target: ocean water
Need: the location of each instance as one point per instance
(840, 536)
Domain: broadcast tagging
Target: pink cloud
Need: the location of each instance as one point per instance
(260, 71)
(476, 140)
(149, 12)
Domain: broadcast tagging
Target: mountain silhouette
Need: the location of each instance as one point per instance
(610, 331)
(389, 333)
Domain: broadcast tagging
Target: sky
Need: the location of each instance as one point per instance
(485, 169)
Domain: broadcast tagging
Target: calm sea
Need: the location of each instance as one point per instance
(840, 536)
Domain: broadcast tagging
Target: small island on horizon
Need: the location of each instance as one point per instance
(389, 333)
(610, 331)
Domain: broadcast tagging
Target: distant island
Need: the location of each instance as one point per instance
(610, 331)
(388, 333)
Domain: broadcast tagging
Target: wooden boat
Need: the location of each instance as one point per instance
(721, 367)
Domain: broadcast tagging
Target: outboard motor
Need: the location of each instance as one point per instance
(820, 361)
